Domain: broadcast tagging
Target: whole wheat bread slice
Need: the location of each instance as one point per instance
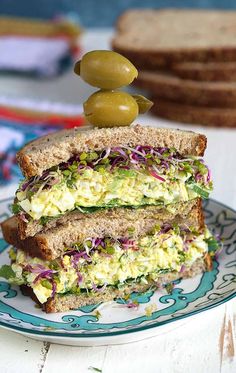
(116, 223)
(66, 302)
(206, 71)
(169, 87)
(209, 116)
(50, 150)
(156, 38)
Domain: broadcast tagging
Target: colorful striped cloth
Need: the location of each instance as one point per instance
(19, 126)
(38, 48)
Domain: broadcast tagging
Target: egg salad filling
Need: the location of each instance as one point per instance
(96, 263)
(131, 177)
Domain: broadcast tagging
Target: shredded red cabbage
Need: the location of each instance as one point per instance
(127, 243)
(156, 161)
(76, 255)
(154, 174)
(37, 268)
(48, 274)
(165, 228)
(54, 289)
(99, 289)
(198, 177)
(131, 304)
(23, 217)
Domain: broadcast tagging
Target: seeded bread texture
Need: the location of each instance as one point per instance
(208, 71)
(50, 150)
(63, 303)
(50, 244)
(33, 227)
(169, 87)
(209, 116)
(156, 38)
(126, 215)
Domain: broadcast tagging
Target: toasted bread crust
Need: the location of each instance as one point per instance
(50, 244)
(147, 214)
(169, 87)
(50, 150)
(36, 246)
(206, 71)
(63, 303)
(152, 61)
(159, 38)
(209, 116)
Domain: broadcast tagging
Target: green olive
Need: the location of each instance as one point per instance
(110, 108)
(143, 103)
(105, 69)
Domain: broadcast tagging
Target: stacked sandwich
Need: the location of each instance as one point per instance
(188, 62)
(106, 212)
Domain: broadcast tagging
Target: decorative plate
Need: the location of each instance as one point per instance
(117, 323)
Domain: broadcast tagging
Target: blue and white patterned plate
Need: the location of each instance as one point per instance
(117, 323)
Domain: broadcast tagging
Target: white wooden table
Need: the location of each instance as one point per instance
(206, 343)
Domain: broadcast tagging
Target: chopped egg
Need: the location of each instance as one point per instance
(42, 293)
(93, 188)
(156, 252)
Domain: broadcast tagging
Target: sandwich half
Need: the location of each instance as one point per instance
(123, 167)
(103, 262)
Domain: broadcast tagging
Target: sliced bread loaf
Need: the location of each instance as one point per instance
(169, 87)
(154, 38)
(206, 71)
(210, 116)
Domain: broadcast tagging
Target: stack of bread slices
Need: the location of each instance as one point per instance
(187, 60)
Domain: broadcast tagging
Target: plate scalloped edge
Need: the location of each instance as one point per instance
(195, 295)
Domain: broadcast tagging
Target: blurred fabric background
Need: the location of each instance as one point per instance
(98, 13)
